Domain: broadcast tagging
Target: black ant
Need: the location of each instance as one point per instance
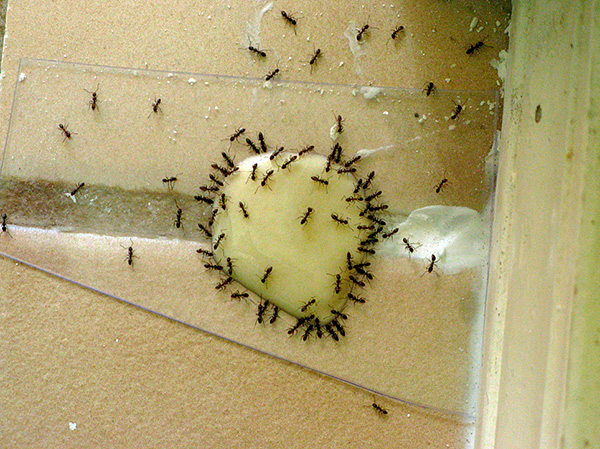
(130, 254)
(356, 281)
(205, 230)
(77, 189)
(313, 60)
(223, 284)
(256, 51)
(371, 208)
(229, 266)
(457, 110)
(262, 307)
(349, 260)
(156, 106)
(227, 159)
(363, 272)
(211, 220)
(224, 171)
(93, 103)
(332, 332)
(370, 177)
(238, 132)
(4, 227)
(387, 235)
(219, 240)
(209, 188)
(266, 177)
(214, 179)
(338, 284)
(307, 332)
(274, 315)
(441, 185)
(352, 161)
(287, 163)
(306, 215)
(170, 181)
(243, 209)
(399, 29)
(269, 76)
(204, 199)
(336, 153)
(369, 241)
(339, 328)
(374, 219)
(429, 89)
(263, 145)
(432, 262)
(306, 149)
(351, 199)
(299, 323)
(340, 127)
(346, 170)
(373, 196)
(365, 227)
(291, 20)
(366, 250)
(320, 180)
(475, 47)
(205, 252)
(276, 153)
(178, 216)
(306, 305)
(375, 232)
(356, 299)
(266, 275)
(238, 295)
(223, 201)
(252, 145)
(318, 328)
(339, 219)
(362, 32)
(68, 134)
(213, 266)
(253, 174)
(379, 409)
(340, 315)
(358, 186)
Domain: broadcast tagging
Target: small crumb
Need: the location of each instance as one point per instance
(474, 23)
(209, 17)
(72, 425)
(170, 75)
(341, 63)
(479, 30)
(117, 340)
(447, 80)
(385, 112)
(22, 77)
(192, 81)
(206, 83)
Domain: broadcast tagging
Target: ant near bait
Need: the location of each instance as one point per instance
(338, 219)
(374, 219)
(256, 51)
(369, 241)
(379, 409)
(224, 171)
(475, 47)
(339, 122)
(211, 220)
(263, 145)
(321, 181)
(229, 266)
(338, 284)
(338, 314)
(204, 199)
(352, 161)
(239, 295)
(274, 315)
(332, 332)
(356, 299)
(178, 216)
(287, 163)
(266, 177)
(371, 208)
(228, 160)
(349, 260)
(253, 174)
(205, 252)
(238, 132)
(93, 103)
(373, 196)
(456, 112)
(368, 181)
(336, 154)
(410, 247)
(356, 281)
(269, 76)
(219, 240)
(365, 227)
(341, 171)
(266, 275)
(432, 263)
(299, 323)
(223, 201)
(307, 332)
(156, 106)
(221, 285)
(212, 266)
(262, 307)
(275, 153)
(243, 209)
(130, 254)
(429, 89)
(214, 179)
(68, 134)
(209, 188)
(318, 328)
(363, 272)
(252, 146)
(170, 181)
(339, 328)
(351, 199)
(77, 189)
(306, 305)
(441, 185)
(314, 59)
(358, 186)
(306, 215)
(387, 235)
(306, 149)
(366, 250)
(396, 31)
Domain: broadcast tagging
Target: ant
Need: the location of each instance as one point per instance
(263, 145)
(274, 315)
(373, 196)
(238, 132)
(374, 219)
(351, 199)
(318, 328)
(306, 215)
(356, 281)
(332, 332)
(219, 240)
(130, 254)
(298, 324)
(457, 110)
(307, 332)
(204, 199)
(362, 32)
(287, 163)
(212, 266)
(340, 315)
(387, 235)
(205, 252)
(339, 129)
(339, 328)
(276, 153)
(352, 161)
(211, 220)
(363, 272)
(433, 261)
(365, 227)
(266, 275)
(320, 180)
(269, 76)
(68, 134)
(256, 51)
(356, 299)
(379, 409)
(224, 171)
(178, 216)
(4, 227)
(238, 295)
(313, 60)
(429, 89)
(346, 170)
(227, 159)
(77, 189)
(262, 307)
(214, 179)
(223, 284)
(229, 266)
(266, 177)
(205, 230)
(366, 250)
(338, 219)
(291, 20)
(306, 149)
(475, 47)
(399, 29)
(441, 185)
(358, 186)
(370, 177)
(349, 259)
(371, 208)
(306, 305)
(156, 106)
(223, 201)
(93, 103)
(252, 145)
(253, 174)
(243, 208)
(336, 153)
(170, 181)
(338, 284)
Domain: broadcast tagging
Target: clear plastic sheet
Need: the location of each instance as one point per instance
(417, 339)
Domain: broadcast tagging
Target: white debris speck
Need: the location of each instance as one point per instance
(385, 112)
(452, 66)
(117, 340)
(479, 30)
(209, 17)
(447, 80)
(422, 118)
(268, 85)
(308, 39)
(71, 197)
(370, 92)
(72, 425)
(170, 75)
(175, 132)
(216, 108)
(474, 23)
(22, 77)
(333, 133)
(206, 83)
(341, 63)
(192, 81)
(498, 23)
